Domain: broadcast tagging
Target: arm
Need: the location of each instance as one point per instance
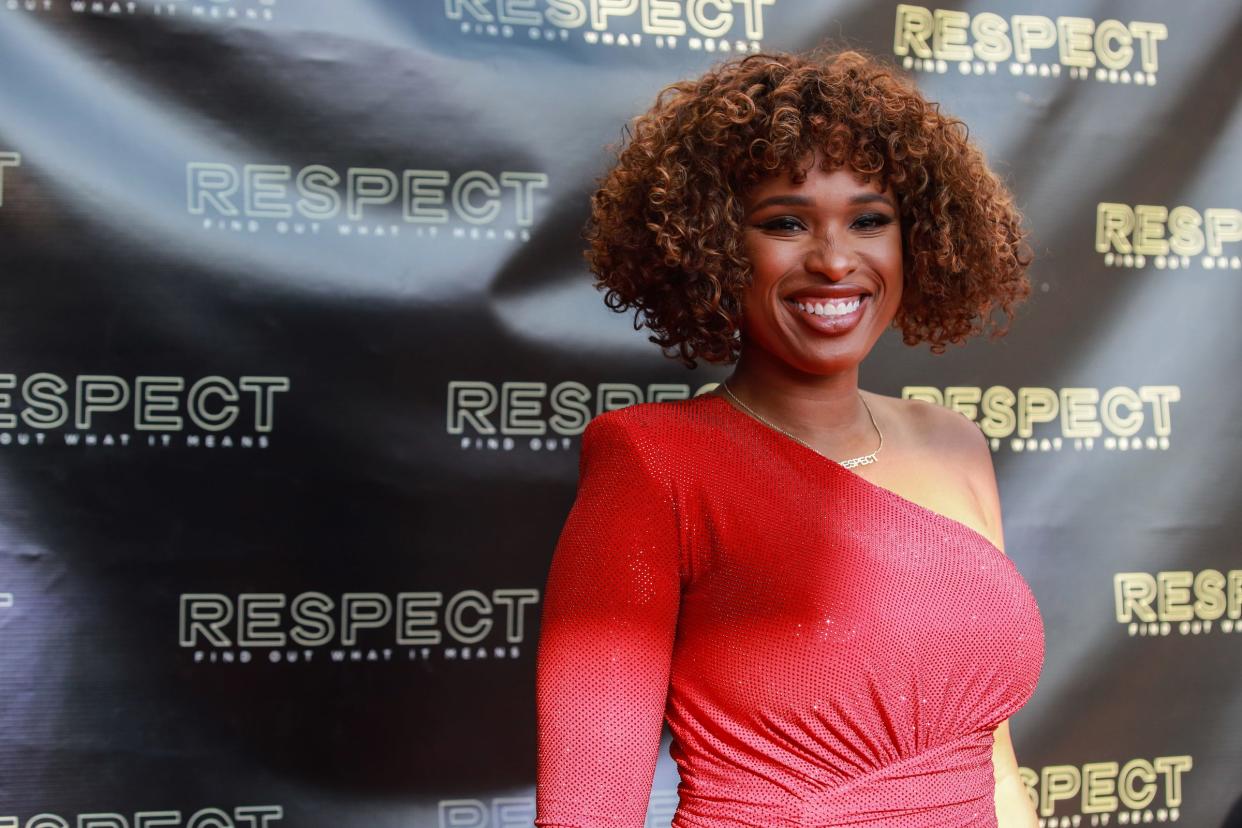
(1014, 808)
(606, 639)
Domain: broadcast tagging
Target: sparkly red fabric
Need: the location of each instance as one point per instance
(825, 651)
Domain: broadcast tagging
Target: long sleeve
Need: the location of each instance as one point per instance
(606, 637)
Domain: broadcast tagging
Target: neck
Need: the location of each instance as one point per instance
(822, 409)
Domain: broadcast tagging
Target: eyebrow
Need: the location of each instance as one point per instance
(791, 200)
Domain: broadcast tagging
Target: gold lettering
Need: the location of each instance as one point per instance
(1078, 409)
(1133, 593)
(1136, 784)
(1075, 40)
(913, 25)
(949, 37)
(1099, 794)
(1113, 225)
(1174, 595)
(1058, 783)
(1105, 34)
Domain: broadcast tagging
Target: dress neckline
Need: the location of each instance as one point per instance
(867, 484)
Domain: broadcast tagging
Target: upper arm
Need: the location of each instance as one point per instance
(1004, 760)
(606, 638)
(1014, 804)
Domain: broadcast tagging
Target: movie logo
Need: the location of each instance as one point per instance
(370, 203)
(1028, 45)
(1185, 602)
(356, 627)
(544, 417)
(1042, 419)
(116, 412)
(243, 816)
(719, 26)
(1108, 792)
(1168, 238)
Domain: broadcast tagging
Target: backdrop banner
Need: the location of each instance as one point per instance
(299, 343)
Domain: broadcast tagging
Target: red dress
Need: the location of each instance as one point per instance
(825, 651)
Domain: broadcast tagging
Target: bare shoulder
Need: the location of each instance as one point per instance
(928, 424)
(959, 437)
(954, 442)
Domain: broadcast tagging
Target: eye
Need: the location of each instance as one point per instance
(782, 223)
(873, 220)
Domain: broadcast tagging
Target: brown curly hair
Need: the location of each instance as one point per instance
(665, 230)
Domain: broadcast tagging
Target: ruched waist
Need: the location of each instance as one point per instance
(947, 786)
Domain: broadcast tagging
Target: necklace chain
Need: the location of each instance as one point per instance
(856, 461)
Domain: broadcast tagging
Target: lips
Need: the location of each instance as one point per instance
(833, 324)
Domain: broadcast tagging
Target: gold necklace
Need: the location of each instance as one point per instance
(849, 464)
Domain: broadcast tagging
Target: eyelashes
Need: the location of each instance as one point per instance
(780, 224)
(880, 220)
(871, 221)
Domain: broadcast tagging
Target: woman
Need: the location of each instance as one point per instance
(832, 641)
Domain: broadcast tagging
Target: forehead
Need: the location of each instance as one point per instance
(841, 181)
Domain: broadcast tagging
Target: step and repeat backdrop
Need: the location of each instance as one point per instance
(298, 345)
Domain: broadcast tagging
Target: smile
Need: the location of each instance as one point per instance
(830, 316)
(829, 307)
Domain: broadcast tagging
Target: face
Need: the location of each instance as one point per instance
(830, 241)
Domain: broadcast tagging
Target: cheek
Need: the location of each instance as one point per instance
(755, 255)
(763, 252)
(891, 266)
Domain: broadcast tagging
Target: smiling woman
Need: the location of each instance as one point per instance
(827, 646)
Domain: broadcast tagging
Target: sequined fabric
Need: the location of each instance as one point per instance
(825, 651)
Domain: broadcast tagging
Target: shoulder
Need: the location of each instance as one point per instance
(953, 436)
(646, 432)
(650, 420)
(949, 439)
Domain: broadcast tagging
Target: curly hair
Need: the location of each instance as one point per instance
(665, 230)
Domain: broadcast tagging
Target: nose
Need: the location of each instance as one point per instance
(829, 258)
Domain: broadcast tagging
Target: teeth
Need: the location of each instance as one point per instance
(831, 308)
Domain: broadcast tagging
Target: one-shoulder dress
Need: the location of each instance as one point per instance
(825, 651)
